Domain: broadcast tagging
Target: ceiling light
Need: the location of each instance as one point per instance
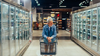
(52, 12)
(57, 12)
(62, 6)
(38, 4)
(50, 6)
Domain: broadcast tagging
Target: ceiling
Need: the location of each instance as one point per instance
(55, 3)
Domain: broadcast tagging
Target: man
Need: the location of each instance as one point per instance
(49, 34)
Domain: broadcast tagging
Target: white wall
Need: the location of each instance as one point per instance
(27, 3)
(34, 14)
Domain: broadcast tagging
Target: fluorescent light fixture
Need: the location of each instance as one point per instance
(57, 12)
(38, 4)
(62, 6)
(50, 6)
(52, 12)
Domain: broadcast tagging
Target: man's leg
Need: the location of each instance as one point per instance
(46, 49)
(51, 48)
(46, 46)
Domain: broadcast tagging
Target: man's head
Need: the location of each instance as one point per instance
(50, 22)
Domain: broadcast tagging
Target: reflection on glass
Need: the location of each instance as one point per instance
(5, 37)
(80, 26)
(75, 20)
(17, 30)
(0, 32)
(88, 38)
(99, 29)
(12, 37)
(94, 29)
(84, 26)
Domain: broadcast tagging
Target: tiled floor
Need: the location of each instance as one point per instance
(64, 48)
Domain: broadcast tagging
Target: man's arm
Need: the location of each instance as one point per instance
(43, 33)
(55, 33)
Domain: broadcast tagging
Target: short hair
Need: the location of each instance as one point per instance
(49, 19)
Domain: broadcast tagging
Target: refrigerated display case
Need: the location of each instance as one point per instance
(17, 11)
(86, 26)
(14, 28)
(11, 29)
(4, 30)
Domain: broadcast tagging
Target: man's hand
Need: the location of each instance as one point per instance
(49, 39)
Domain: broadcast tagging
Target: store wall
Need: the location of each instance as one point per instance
(34, 14)
(27, 4)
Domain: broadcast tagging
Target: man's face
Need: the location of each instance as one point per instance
(50, 23)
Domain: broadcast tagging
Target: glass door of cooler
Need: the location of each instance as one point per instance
(17, 30)
(72, 25)
(28, 26)
(20, 29)
(12, 27)
(94, 29)
(88, 27)
(5, 30)
(23, 26)
(75, 25)
(80, 26)
(25, 30)
(84, 27)
(99, 29)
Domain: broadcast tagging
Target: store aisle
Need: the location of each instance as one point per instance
(64, 48)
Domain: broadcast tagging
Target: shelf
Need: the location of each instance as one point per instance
(94, 14)
(88, 24)
(94, 19)
(88, 15)
(94, 25)
(84, 19)
(94, 36)
(81, 31)
(88, 19)
(94, 30)
(84, 24)
(88, 33)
